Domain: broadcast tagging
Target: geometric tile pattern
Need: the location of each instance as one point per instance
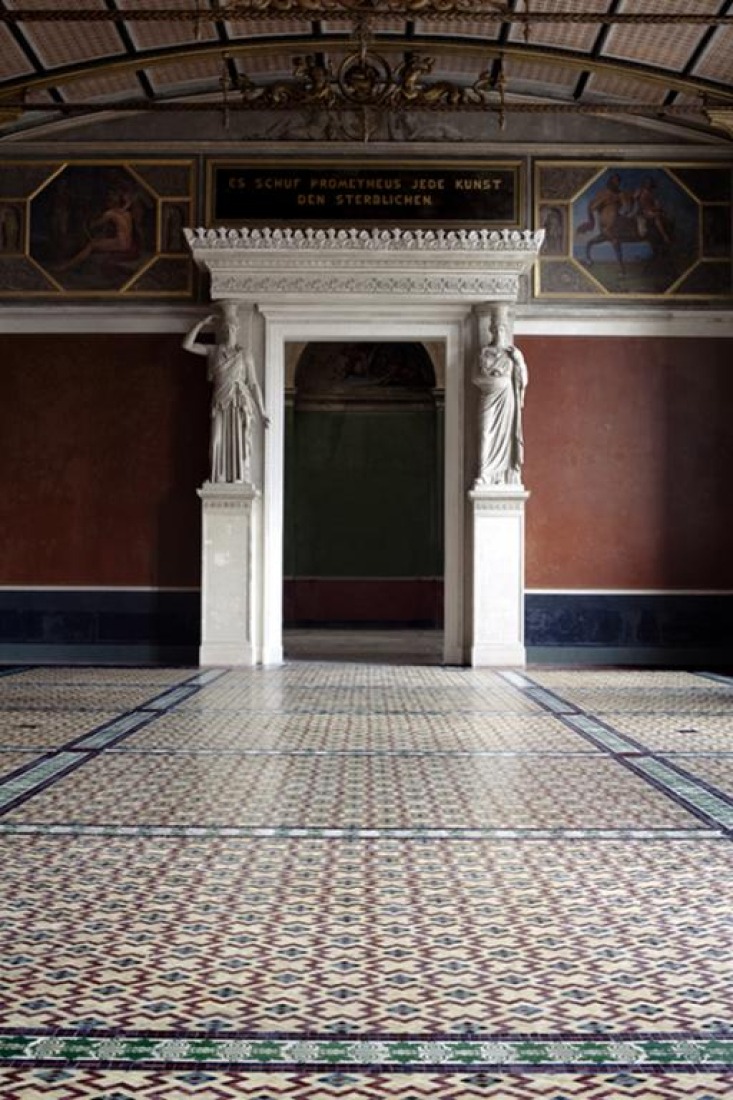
(77, 676)
(381, 937)
(367, 699)
(331, 880)
(250, 731)
(28, 696)
(82, 1084)
(668, 733)
(35, 729)
(564, 680)
(406, 791)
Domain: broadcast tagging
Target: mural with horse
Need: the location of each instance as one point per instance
(635, 229)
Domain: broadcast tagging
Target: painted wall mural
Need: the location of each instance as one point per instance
(95, 229)
(633, 229)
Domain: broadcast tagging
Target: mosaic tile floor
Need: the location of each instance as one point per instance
(363, 880)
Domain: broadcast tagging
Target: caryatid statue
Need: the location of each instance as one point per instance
(501, 380)
(236, 396)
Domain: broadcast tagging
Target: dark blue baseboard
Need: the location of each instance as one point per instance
(618, 628)
(118, 626)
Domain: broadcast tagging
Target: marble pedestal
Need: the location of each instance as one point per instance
(230, 515)
(498, 576)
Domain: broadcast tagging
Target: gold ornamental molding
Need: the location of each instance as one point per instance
(721, 118)
(365, 79)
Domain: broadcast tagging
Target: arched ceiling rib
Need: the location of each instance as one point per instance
(658, 56)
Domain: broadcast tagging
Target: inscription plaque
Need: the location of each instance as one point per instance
(487, 194)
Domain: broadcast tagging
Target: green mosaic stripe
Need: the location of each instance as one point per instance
(171, 698)
(35, 777)
(614, 742)
(83, 1049)
(546, 699)
(126, 724)
(698, 796)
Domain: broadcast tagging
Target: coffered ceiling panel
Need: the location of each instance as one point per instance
(13, 62)
(657, 46)
(716, 62)
(157, 35)
(565, 36)
(58, 44)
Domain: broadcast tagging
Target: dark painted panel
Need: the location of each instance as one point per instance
(102, 619)
(363, 494)
(629, 620)
(405, 602)
(158, 624)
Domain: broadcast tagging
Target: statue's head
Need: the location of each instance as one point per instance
(500, 325)
(228, 323)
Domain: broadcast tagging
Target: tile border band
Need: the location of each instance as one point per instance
(286, 833)
(54, 764)
(684, 1053)
(697, 796)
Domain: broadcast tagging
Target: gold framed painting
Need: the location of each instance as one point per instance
(95, 229)
(633, 230)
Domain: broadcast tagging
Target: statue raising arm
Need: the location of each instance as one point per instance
(236, 394)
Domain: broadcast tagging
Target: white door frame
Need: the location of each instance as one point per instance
(447, 324)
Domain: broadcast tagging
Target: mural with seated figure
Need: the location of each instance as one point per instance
(95, 229)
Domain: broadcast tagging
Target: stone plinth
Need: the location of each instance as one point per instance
(498, 576)
(230, 517)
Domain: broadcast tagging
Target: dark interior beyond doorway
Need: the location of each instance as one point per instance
(363, 487)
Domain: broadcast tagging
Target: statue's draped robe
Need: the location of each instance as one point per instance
(231, 416)
(501, 383)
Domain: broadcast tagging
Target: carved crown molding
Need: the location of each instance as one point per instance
(460, 265)
(366, 240)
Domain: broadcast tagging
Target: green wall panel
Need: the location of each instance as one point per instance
(363, 493)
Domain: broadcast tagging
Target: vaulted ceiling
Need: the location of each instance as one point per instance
(660, 58)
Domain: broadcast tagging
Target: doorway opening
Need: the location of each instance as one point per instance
(363, 500)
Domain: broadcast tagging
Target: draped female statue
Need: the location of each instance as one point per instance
(501, 380)
(236, 397)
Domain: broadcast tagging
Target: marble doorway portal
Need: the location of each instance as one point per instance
(376, 286)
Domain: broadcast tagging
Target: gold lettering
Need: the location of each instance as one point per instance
(276, 183)
(428, 184)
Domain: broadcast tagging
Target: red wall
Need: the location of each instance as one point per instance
(629, 454)
(103, 441)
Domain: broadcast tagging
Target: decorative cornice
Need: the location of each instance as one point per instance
(454, 286)
(460, 265)
(382, 240)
